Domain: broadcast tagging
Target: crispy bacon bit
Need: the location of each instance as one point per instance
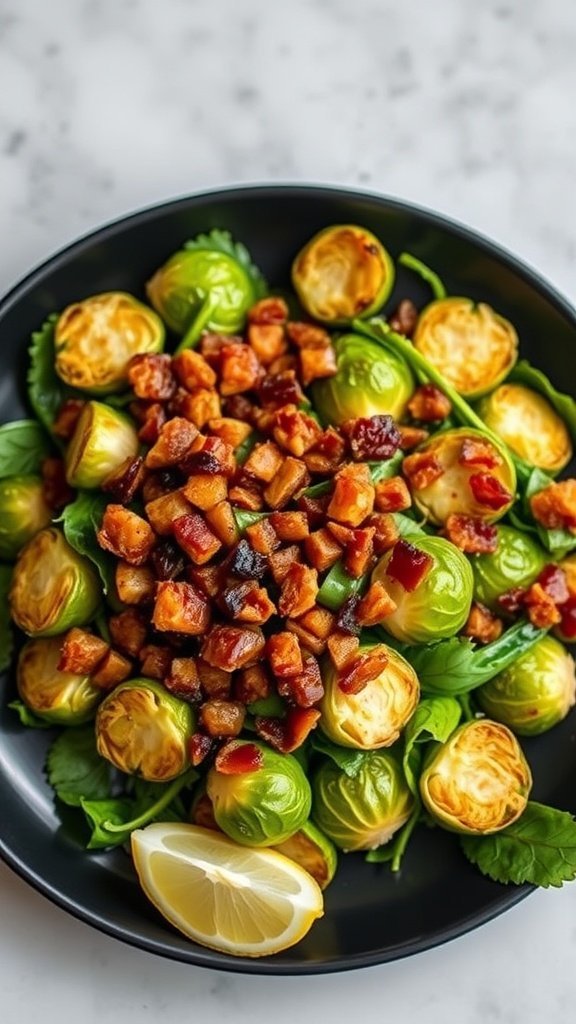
(322, 549)
(408, 565)
(363, 670)
(304, 335)
(372, 437)
(263, 537)
(135, 584)
(346, 619)
(359, 551)
(392, 495)
(113, 669)
(238, 758)
(246, 563)
(211, 346)
(541, 607)
(125, 481)
(353, 495)
(222, 718)
(268, 342)
(478, 452)
(342, 648)
(252, 684)
(214, 456)
(555, 506)
(151, 377)
(192, 370)
(316, 363)
(327, 452)
(488, 491)
(215, 683)
(67, 417)
(319, 621)
(81, 651)
(200, 746)
(264, 461)
(305, 688)
(411, 437)
(375, 605)
(294, 431)
(299, 590)
(482, 625)
(230, 430)
(221, 520)
(511, 602)
(164, 510)
(126, 535)
(284, 655)
(404, 318)
(281, 560)
(568, 619)
(152, 419)
(200, 406)
(271, 310)
(195, 538)
(422, 469)
(232, 647)
(180, 608)
(155, 661)
(429, 405)
(471, 534)
(247, 602)
(553, 580)
(386, 532)
(128, 631)
(183, 680)
(288, 733)
(278, 389)
(315, 508)
(247, 497)
(205, 490)
(173, 444)
(208, 578)
(290, 526)
(290, 478)
(307, 640)
(239, 369)
(55, 487)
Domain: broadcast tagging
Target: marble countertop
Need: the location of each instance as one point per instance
(108, 105)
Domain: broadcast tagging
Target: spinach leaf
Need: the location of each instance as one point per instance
(27, 717)
(222, 241)
(45, 389)
(75, 769)
(6, 634)
(112, 820)
(347, 759)
(435, 718)
(23, 448)
(81, 520)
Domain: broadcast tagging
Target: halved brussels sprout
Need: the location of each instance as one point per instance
(343, 272)
(375, 716)
(451, 491)
(103, 439)
(517, 561)
(440, 604)
(144, 730)
(535, 692)
(474, 347)
(370, 380)
(95, 339)
(478, 781)
(313, 851)
(529, 425)
(62, 698)
(53, 587)
(362, 811)
(263, 807)
(23, 512)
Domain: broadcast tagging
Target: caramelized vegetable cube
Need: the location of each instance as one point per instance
(264, 461)
(290, 526)
(298, 591)
(353, 495)
(268, 341)
(205, 490)
(233, 647)
(221, 520)
(81, 651)
(290, 478)
(164, 510)
(155, 661)
(263, 537)
(195, 538)
(128, 631)
(284, 655)
(180, 608)
(192, 370)
(392, 495)
(322, 549)
(174, 442)
(183, 679)
(113, 669)
(126, 535)
(281, 560)
(222, 718)
(375, 605)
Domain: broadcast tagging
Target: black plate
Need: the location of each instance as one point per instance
(371, 916)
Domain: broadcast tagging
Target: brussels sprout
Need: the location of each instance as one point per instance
(313, 851)
(369, 380)
(263, 807)
(440, 604)
(452, 491)
(364, 810)
(375, 716)
(469, 343)
(517, 561)
(478, 781)
(341, 273)
(535, 692)
(95, 339)
(23, 512)
(62, 698)
(144, 730)
(103, 439)
(529, 425)
(53, 587)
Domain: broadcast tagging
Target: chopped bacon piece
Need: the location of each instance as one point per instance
(346, 620)
(471, 534)
(319, 621)
(213, 456)
(174, 442)
(307, 640)
(411, 437)
(264, 461)
(512, 601)
(247, 497)
(208, 578)
(164, 510)
(555, 506)
(152, 420)
(290, 526)
(113, 669)
(404, 318)
(211, 346)
(192, 370)
(126, 535)
(488, 491)
(305, 688)
(392, 495)
(429, 404)
(322, 549)
(282, 364)
(125, 481)
(288, 733)
(271, 310)
(155, 661)
(204, 491)
(268, 342)
(422, 469)
(232, 647)
(252, 684)
(375, 605)
(81, 651)
(408, 565)
(263, 537)
(183, 680)
(195, 538)
(180, 608)
(239, 369)
(353, 495)
(55, 488)
(135, 584)
(128, 631)
(342, 648)
(386, 532)
(167, 560)
(541, 607)
(234, 432)
(222, 718)
(482, 625)
(553, 580)
(315, 508)
(160, 483)
(278, 389)
(374, 438)
(67, 417)
(246, 563)
(317, 363)
(238, 758)
(247, 602)
(151, 377)
(200, 746)
(281, 560)
(215, 683)
(284, 655)
(299, 590)
(290, 478)
(304, 335)
(359, 551)
(478, 452)
(294, 431)
(567, 623)
(326, 454)
(200, 406)
(343, 534)
(363, 670)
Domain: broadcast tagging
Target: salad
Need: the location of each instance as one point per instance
(294, 573)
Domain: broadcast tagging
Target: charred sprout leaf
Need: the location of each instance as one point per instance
(538, 849)
(45, 389)
(75, 770)
(23, 512)
(6, 636)
(113, 820)
(347, 759)
(23, 447)
(81, 519)
(435, 718)
(428, 275)
(27, 717)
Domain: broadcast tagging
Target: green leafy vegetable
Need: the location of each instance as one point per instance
(80, 521)
(222, 241)
(27, 717)
(75, 769)
(345, 758)
(435, 718)
(6, 636)
(23, 447)
(539, 848)
(112, 820)
(558, 542)
(406, 259)
(45, 389)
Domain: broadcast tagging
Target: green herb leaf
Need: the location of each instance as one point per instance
(406, 259)
(346, 759)
(565, 406)
(112, 821)
(558, 542)
(27, 717)
(222, 241)
(244, 518)
(539, 848)
(435, 718)
(81, 520)
(75, 769)
(45, 389)
(23, 448)
(6, 634)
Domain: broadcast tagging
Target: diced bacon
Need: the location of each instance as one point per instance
(213, 456)
(294, 430)
(221, 521)
(128, 631)
(252, 684)
(222, 718)
(167, 560)
(247, 602)
(326, 454)
(386, 531)
(346, 619)
(322, 549)
(288, 733)
(232, 647)
(362, 670)
(173, 444)
(290, 478)
(239, 369)
(319, 621)
(422, 469)
(408, 565)
(283, 363)
(112, 670)
(316, 364)
(541, 607)
(304, 335)
(204, 490)
(125, 481)
(359, 551)
(306, 639)
(482, 625)
(126, 535)
(342, 648)
(298, 591)
(155, 661)
(479, 452)
(471, 534)
(195, 538)
(373, 438)
(183, 680)
(238, 758)
(512, 600)
(200, 406)
(429, 404)
(164, 510)
(315, 508)
(180, 608)
(264, 461)
(55, 488)
(353, 495)
(553, 579)
(81, 651)
(404, 318)
(567, 623)
(246, 563)
(67, 417)
(208, 578)
(215, 683)
(271, 310)
(152, 420)
(284, 655)
(411, 437)
(234, 432)
(304, 689)
(151, 377)
(246, 497)
(263, 537)
(268, 342)
(281, 560)
(211, 346)
(192, 370)
(200, 746)
(555, 506)
(392, 495)
(135, 584)
(290, 526)
(278, 389)
(488, 491)
(375, 605)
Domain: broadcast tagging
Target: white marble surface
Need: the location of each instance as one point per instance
(107, 105)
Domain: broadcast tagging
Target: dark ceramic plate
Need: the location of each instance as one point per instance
(371, 916)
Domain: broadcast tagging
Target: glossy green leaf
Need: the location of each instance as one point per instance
(75, 769)
(23, 447)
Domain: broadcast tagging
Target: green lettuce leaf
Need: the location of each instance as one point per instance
(112, 820)
(345, 758)
(45, 389)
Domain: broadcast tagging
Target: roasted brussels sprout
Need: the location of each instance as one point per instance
(53, 587)
(370, 380)
(529, 425)
(313, 851)
(23, 512)
(375, 716)
(95, 339)
(364, 810)
(517, 561)
(478, 781)
(62, 698)
(263, 807)
(144, 730)
(341, 273)
(102, 441)
(535, 692)
(439, 606)
(461, 471)
(469, 343)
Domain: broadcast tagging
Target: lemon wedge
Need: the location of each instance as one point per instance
(236, 899)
